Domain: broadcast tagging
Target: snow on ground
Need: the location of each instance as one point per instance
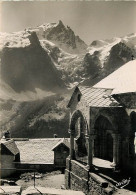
(53, 179)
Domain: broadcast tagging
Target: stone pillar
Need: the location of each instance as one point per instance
(103, 152)
(116, 150)
(90, 139)
(72, 150)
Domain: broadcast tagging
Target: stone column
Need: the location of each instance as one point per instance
(90, 139)
(72, 151)
(116, 149)
(103, 152)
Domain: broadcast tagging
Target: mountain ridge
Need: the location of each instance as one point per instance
(99, 59)
(38, 75)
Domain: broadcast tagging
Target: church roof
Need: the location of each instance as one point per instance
(95, 97)
(123, 80)
(98, 97)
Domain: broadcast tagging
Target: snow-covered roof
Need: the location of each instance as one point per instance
(37, 151)
(123, 80)
(64, 142)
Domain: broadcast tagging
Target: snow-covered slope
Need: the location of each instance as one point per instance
(15, 39)
(103, 47)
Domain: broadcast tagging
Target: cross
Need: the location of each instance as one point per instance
(132, 57)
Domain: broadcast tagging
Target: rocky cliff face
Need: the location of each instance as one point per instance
(92, 65)
(119, 55)
(105, 56)
(30, 67)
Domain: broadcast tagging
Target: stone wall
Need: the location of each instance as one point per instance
(7, 161)
(77, 177)
(98, 185)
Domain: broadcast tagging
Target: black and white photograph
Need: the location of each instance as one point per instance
(67, 97)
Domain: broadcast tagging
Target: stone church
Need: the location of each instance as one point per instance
(102, 128)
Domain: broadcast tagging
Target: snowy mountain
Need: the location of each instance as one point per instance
(61, 35)
(70, 57)
(46, 62)
(101, 58)
(108, 55)
(104, 48)
(38, 63)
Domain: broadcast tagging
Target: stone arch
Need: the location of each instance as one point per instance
(108, 115)
(103, 143)
(79, 130)
(83, 122)
(103, 122)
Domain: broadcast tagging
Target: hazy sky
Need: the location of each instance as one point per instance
(90, 20)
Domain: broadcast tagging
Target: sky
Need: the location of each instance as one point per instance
(91, 20)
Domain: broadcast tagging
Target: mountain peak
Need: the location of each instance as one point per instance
(61, 23)
(62, 36)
